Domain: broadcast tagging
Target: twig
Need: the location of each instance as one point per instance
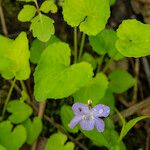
(135, 89)
(133, 109)
(4, 27)
(41, 110)
(146, 69)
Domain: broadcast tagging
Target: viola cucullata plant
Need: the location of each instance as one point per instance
(74, 74)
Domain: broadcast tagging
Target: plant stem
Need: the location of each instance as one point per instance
(100, 60)
(41, 110)
(25, 89)
(107, 64)
(75, 45)
(81, 45)
(8, 98)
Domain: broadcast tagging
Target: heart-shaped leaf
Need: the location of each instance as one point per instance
(42, 27)
(90, 15)
(104, 42)
(67, 114)
(120, 81)
(37, 47)
(57, 141)
(27, 13)
(55, 78)
(12, 139)
(94, 90)
(33, 129)
(15, 57)
(20, 111)
(134, 38)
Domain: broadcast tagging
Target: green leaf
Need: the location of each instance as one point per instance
(27, 13)
(109, 100)
(104, 42)
(20, 111)
(37, 47)
(42, 27)
(67, 114)
(2, 147)
(120, 81)
(48, 5)
(112, 2)
(57, 141)
(12, 138)
(108, 138)
(15, 57)
(33, 129)
(94, 90)
(130, 124)
(90, 16)
(134, 38)
(27, 0)
(55, 78)
(90, 59)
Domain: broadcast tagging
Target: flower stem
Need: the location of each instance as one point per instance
(8, 98)
(100, 61)
(81, 46)
(75, 45)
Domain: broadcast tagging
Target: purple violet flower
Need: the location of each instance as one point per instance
(89, 117)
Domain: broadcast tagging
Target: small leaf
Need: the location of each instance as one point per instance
(12, 138)
(54, 68)
(130, 124)
(12, 66)
(90, 59)
(67, 114)
(91, 16)
(104, 42)
(33, 129)
(27, 13)
(37, 47)
(134, 38)
(48, 5)
(94, 90)
(42, 27)
(57, 141)
(120, 81)
(20, 111)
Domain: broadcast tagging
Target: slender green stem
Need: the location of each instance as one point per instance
(107, 64)
(100, 60)
(75, 45)
(25, 89)
(81, 46)
(8, 98)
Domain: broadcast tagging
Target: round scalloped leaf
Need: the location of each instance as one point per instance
(55, 78)
(134, 38)
(120, 81)
(15, 57)
(33, 129)
(58, 141)
(12, 138)
(94, 90)
(104, 42)
(48, 5)
(27, 13)
(90, 15)
(37, 47)
(42, 27)
(20, 111)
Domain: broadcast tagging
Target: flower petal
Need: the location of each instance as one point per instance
(99, 123)
(80, 109)
(87, 124)
(101, 110)
(75, 121)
